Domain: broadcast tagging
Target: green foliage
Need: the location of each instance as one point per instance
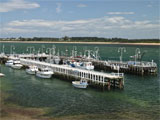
(82, 39)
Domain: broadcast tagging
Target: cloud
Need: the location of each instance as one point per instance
(58, 8)
(120, 13)
(81, 5)
(116, 26)
(17, 4)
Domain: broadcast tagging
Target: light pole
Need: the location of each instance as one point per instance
(96, 52)
(121, 50)
(3, 49)
(53, 50)
(137, 51)
(11, 49)
(49, 52)
(43, 47)
(31, 50)
(74, 51)
(66, 52)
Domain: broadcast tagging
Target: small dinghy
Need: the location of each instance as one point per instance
(80, 84)
(32, 70)
(2, 75)
(45, 73)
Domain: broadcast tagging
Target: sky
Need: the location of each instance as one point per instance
(133, 19)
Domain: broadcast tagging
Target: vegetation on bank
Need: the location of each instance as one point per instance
(82, 39)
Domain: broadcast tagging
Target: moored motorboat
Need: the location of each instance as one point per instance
(88, 66)
(32, 70)
(45, 73)
(9, 63)
(80, 84)
(17, 65)
(83, 65)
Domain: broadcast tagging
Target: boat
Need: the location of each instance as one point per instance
(32, 70)
(56, 59)
(17, 64)
(44, 73)
(2, 75)
(84, 65)
(88, 66)
(9, 63)
(76, 64)
(80, 84)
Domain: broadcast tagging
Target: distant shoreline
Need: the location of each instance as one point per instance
(120, 43)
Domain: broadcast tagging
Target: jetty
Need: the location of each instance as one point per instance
(129, 67)
(96, 79)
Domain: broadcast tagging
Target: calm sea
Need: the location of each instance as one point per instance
(140, 98)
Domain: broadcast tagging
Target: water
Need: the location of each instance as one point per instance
(139, 99)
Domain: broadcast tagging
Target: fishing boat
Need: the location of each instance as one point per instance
(45, 73)
(88, 66)
(83, 65)
(80, 84)
(56, 59)
(76, 64)
(9, 63)
(17, 64)
(32, 70)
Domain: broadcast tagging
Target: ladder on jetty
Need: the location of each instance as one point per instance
(94, 78)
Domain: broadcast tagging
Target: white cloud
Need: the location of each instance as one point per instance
(81, 5)
(58, 8)
(120, 13)
(116, 26)
(17, 4)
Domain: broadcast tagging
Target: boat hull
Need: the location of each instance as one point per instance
(78, 85)
(30, 72)
(2, 75)
(9, 64)
(16, 66)
(44, 75)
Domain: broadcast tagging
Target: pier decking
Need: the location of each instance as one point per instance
(131, 67)
(96, 79)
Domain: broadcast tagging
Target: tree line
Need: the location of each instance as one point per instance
(82, 39)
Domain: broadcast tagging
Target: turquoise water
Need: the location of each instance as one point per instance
(140, 95)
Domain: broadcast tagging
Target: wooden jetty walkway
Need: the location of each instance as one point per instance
(131, 67)
(95, 79)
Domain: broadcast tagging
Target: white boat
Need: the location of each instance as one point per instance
(83, 65)
(56, 59)
(17, 65)
(9, 63)
(80, 84)
(32, 70)
(45, 73)
(88, 66)
(2, 75)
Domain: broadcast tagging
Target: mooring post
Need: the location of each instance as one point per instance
(109, 85)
